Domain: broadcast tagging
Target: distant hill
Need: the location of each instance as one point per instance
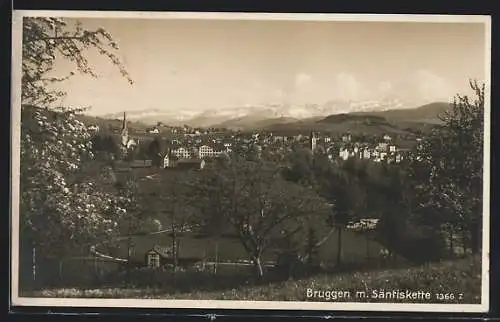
(424, 114)
(254, 122)
(399, 121)
(354, 118)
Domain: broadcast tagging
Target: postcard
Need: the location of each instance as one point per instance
(250, 161)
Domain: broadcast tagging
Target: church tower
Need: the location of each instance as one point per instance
(312, 142)
(124, 134)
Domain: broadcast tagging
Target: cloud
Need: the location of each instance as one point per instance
(431, 87)
(384, 88)
(302, 79)
(347, 87)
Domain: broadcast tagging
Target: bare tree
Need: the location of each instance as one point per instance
(258, 204)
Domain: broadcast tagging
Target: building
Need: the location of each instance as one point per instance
(382, 146)
(126, 142)
(167, 162)
(157, 256)
(181, 153)
(206, 151)
(344, 154)
(313, 142)
(93, 128)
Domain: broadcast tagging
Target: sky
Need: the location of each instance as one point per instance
(219, 64)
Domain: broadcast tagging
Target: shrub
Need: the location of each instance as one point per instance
(421, 245)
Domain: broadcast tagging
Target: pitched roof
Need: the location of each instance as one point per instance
(164, 252)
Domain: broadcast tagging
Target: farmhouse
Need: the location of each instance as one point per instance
(157, 256)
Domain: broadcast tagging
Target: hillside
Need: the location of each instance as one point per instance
(424, 114)
(461, 277)
(254, 122)
(401, 121)
(336, 124)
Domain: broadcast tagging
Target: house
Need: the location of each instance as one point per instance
(387, 138)
(392, 148)
(344, 154)
(93, 127)
(167, 161)
(346, 138)
(153, 131)
(382, 146)
(206, 151)
(181, 153)
(157, 256)
(363, 224)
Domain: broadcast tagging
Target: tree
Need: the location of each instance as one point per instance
(154, 151)
(451, 159)
(168, 198)
(56, 203)
(104, 147)
(258, 204)
(342, 185)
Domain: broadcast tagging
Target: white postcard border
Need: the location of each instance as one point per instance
(16, 300)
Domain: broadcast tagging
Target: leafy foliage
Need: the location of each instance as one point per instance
(451, 169)
(59, 201)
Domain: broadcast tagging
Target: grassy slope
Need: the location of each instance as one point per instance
(354, 248)
(458, 277)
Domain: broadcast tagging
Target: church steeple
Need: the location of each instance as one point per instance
(312, 141)
(124, 133)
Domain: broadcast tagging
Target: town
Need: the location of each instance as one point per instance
(193, 147)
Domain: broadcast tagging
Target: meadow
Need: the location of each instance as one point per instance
(460, 278)
(355, 248)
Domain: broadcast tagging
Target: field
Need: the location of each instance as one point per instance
(354, 248)
(356, 251)
(461, 277)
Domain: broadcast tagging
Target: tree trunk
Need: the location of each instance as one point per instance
(174, 249)
(367, 247)
(60, 271)
(450, 236)
(259, 271)
(339, 246)
(216, 256)
(464, 239)
(34, 264)
(177, 250)
(476, 236)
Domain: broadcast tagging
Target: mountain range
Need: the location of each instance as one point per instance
(262, 116)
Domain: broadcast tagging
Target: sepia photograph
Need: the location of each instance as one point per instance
(250, 161)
